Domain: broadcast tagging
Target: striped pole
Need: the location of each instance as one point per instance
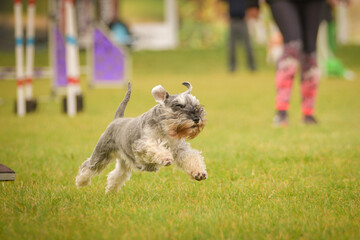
(72, 57)
(19, 55)
(30, 40)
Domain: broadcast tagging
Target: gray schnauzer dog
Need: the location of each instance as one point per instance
(150, 141)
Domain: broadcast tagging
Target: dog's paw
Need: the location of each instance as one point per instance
(167, 161)
(164, 158)
(198, 176)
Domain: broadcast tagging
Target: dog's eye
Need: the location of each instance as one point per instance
(179, 106)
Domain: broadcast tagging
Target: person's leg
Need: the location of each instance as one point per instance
(310, 19)
(287, 18)
(232, 46)
(246, 39)
(310, 76)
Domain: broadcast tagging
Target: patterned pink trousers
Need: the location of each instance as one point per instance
(286, 69)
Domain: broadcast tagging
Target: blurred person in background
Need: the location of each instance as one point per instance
(238, 31)
(298, 21)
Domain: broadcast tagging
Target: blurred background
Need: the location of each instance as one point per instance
(198, 23)
(168, 25)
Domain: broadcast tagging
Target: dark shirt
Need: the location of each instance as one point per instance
(236, 8)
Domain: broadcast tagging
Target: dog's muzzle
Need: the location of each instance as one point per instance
(196, 119)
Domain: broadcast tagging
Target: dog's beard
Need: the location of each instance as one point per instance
(184, 128)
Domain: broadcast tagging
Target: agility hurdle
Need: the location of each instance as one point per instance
(19, 55)
(31, 102)
(108, 62)
(74, 97)
(25, 102)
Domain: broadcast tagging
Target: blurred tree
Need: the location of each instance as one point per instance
(202, 23)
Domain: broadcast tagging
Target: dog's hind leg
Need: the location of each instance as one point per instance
(94, 165)
(117, 178)
(85, 174)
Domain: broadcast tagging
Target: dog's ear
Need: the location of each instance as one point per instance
(159, 93)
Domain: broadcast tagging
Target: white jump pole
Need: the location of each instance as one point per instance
(171, 19)
(19, 54)
(342, 23)
(30, 40)
(72, 57)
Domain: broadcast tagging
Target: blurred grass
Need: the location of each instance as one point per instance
(264, 182)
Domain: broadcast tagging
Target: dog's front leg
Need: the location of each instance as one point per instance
(191, 161)
(151, 150)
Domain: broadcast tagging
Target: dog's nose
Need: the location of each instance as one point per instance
(196, 119)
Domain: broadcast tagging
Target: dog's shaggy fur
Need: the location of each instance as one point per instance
(150, 141)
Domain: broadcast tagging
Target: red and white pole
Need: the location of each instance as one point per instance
(19, 55)
(30, 40)
(72, 57)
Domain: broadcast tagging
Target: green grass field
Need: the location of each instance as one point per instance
(298, 182)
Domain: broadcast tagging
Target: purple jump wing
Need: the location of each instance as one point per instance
(60, 59)
(109, 60)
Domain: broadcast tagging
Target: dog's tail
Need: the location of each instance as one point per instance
(121, 109)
